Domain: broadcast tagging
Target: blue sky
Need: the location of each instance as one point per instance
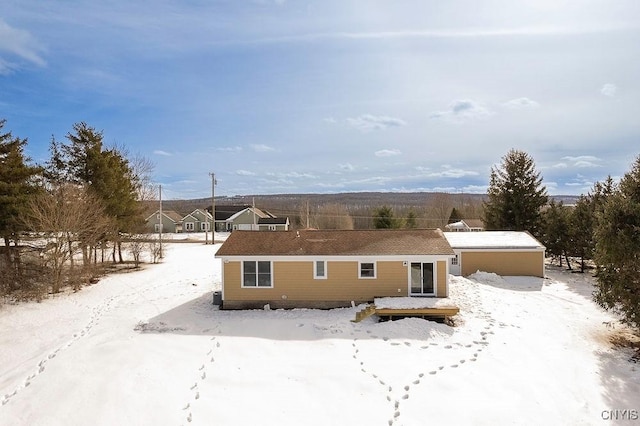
(331, 96)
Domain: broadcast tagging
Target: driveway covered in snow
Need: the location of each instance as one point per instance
(148, 347)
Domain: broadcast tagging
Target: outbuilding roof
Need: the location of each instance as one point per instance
(336, 243)
(493, 240)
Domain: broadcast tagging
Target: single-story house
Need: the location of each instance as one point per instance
(332, 268)
(224, 212)
(465, 225)
(501, 252)
(273, 224)
(246, 219)
(198, 220)
(171, 221)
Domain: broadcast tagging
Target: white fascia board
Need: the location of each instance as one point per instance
(349, 258)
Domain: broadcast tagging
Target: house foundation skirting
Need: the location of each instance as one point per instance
(289, 304)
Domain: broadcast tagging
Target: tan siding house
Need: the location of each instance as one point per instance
(326, 269)
(501, 252)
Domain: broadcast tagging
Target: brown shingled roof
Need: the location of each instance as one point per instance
(336, 243)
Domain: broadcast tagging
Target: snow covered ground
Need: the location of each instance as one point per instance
(148, 348)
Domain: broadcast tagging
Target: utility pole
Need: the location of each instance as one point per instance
(213, 206)
(161, 223)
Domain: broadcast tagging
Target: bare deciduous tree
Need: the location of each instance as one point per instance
(69, 218)
(333, 216)
(439, 208)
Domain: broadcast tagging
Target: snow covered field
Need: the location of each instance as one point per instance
(148, 348)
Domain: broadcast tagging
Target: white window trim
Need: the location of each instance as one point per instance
(256, 262)
(375, 270)
(454, 260)
(189, 226)
(204, 226)
(273, 227)
(315, 270)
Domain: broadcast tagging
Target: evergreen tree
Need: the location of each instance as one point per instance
(17, 184)
(581, 228)
(411, 222)
(383, 218)
(106, 174)
(515, 195)
(555, 235)
(617, 253)
(455, 216)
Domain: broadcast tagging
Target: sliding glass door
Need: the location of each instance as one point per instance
(422, 282)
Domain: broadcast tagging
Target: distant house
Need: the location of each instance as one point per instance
(500, 252)
(273, 224)
(223, 213)
(246, 219)
(465, 225)
(171, 221)
(326, 269)
(198, 220)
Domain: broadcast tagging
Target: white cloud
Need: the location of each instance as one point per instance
(262, 148)
(447, 172)
(244, 173)
(292, 175)
(20, 43)
(387, 153)
(330, 120)
(368, 122)
(229, 149)
(462, 110)
(583, 161)
(521, 103)
(609, 89)
(160, 152)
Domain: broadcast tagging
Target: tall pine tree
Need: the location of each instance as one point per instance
(617, 254)
(17, 184)
(515, 195)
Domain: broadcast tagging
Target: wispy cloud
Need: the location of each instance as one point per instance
(521, 103)
(164, 153)
(262, 148)
(20, 43)
(387, 153)
(368, 122)
(462, 110)
(447, 172)
(583, 161)
(609, 89)
(438, 34)
(229, 149)
(244, 173)
(288, 175)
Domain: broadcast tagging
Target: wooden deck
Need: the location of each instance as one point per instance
(435, 313)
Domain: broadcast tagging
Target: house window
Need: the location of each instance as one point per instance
(189, 226)
(256, 274)
(319, 269)
(454, 260)
(204, 226)
(272, 227)
(158, 226)
(367, 269)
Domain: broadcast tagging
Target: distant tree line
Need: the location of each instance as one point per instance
(60, 219)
